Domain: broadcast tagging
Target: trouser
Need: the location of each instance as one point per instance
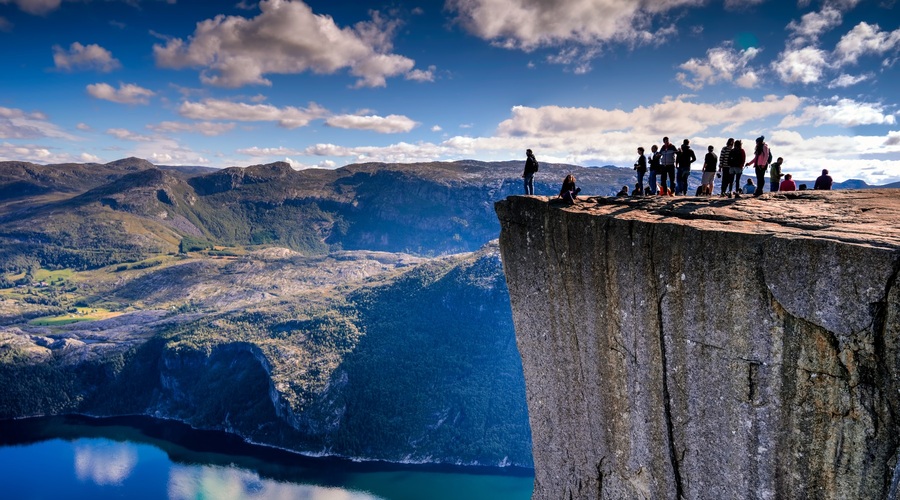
(727, 180)
(668, 172)
(682, 184)
(773, 185)
(529, 184)
(737, 179)
(760, 178)
(651, 181)
(640, 179)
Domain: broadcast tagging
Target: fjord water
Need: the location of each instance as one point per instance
(138, 457)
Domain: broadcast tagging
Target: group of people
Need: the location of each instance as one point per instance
(674, 164)
(669, 169)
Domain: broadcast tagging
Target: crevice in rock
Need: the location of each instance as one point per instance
(667, 403)
(752, 381)
(880, 327)
(600, 479)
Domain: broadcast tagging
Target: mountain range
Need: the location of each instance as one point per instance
(359, 312)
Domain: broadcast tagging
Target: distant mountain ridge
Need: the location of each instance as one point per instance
(422, 208)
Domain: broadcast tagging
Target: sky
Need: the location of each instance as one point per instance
(329, 83)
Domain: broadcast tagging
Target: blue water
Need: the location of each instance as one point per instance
(139, 458)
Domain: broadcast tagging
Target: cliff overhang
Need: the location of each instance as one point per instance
(709, 348)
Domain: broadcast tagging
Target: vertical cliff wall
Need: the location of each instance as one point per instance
(709, 349)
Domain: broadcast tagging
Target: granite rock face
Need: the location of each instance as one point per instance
(709, 348)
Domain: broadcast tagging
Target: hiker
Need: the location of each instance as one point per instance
(623, 192)
(568, 191)
(641, 167)
(637, 191)
(760, 162)
(531, 167)
(824, 181)
(749, 187)
(710, 163)
(775, 174)
(725, 169)
(654, 168)
(685, 157)
(667, 166)
(788, 184)
(736, 164)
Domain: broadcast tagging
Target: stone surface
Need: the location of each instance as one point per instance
(709, 347)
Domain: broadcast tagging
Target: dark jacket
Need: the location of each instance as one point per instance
(686, 156)
(531, 166)
(641, 166)
(823, 182)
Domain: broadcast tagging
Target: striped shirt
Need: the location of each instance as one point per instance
(723, 157)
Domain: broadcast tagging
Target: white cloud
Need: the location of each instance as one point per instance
(286, 38)
(812, 26)
(216, 109)
(865, 39)
(128, 93)
(127, 135)
(86, 57)
(845, 80)
(390, 124)
(844, 112)
(18, 124)
(529, 24)
(89, 158)
(436, 128)
(35, 6)
(893, 139)
(262, 152)
(208, 129)
(720, 64)
(83, 127)
(418, 75)
(401, 152)
(805, 65)
(671, 116)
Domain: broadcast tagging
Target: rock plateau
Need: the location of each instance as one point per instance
(709, 348)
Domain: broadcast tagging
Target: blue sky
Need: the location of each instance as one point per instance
(328, 83)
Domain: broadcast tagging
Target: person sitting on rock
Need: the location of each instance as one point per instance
(568, 191)
(824, 181)
(749, 187)
(787, 184)
(623, 192)
(637, 191)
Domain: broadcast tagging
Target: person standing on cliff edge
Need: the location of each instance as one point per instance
(760, 162)
(531, 168)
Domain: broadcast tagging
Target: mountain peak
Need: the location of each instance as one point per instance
(131, 164)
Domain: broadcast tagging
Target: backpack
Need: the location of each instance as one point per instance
(770, 156)
(736, 160)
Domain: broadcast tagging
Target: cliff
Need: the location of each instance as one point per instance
(719, 348)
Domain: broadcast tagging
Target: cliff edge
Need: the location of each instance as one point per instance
(709, 348)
